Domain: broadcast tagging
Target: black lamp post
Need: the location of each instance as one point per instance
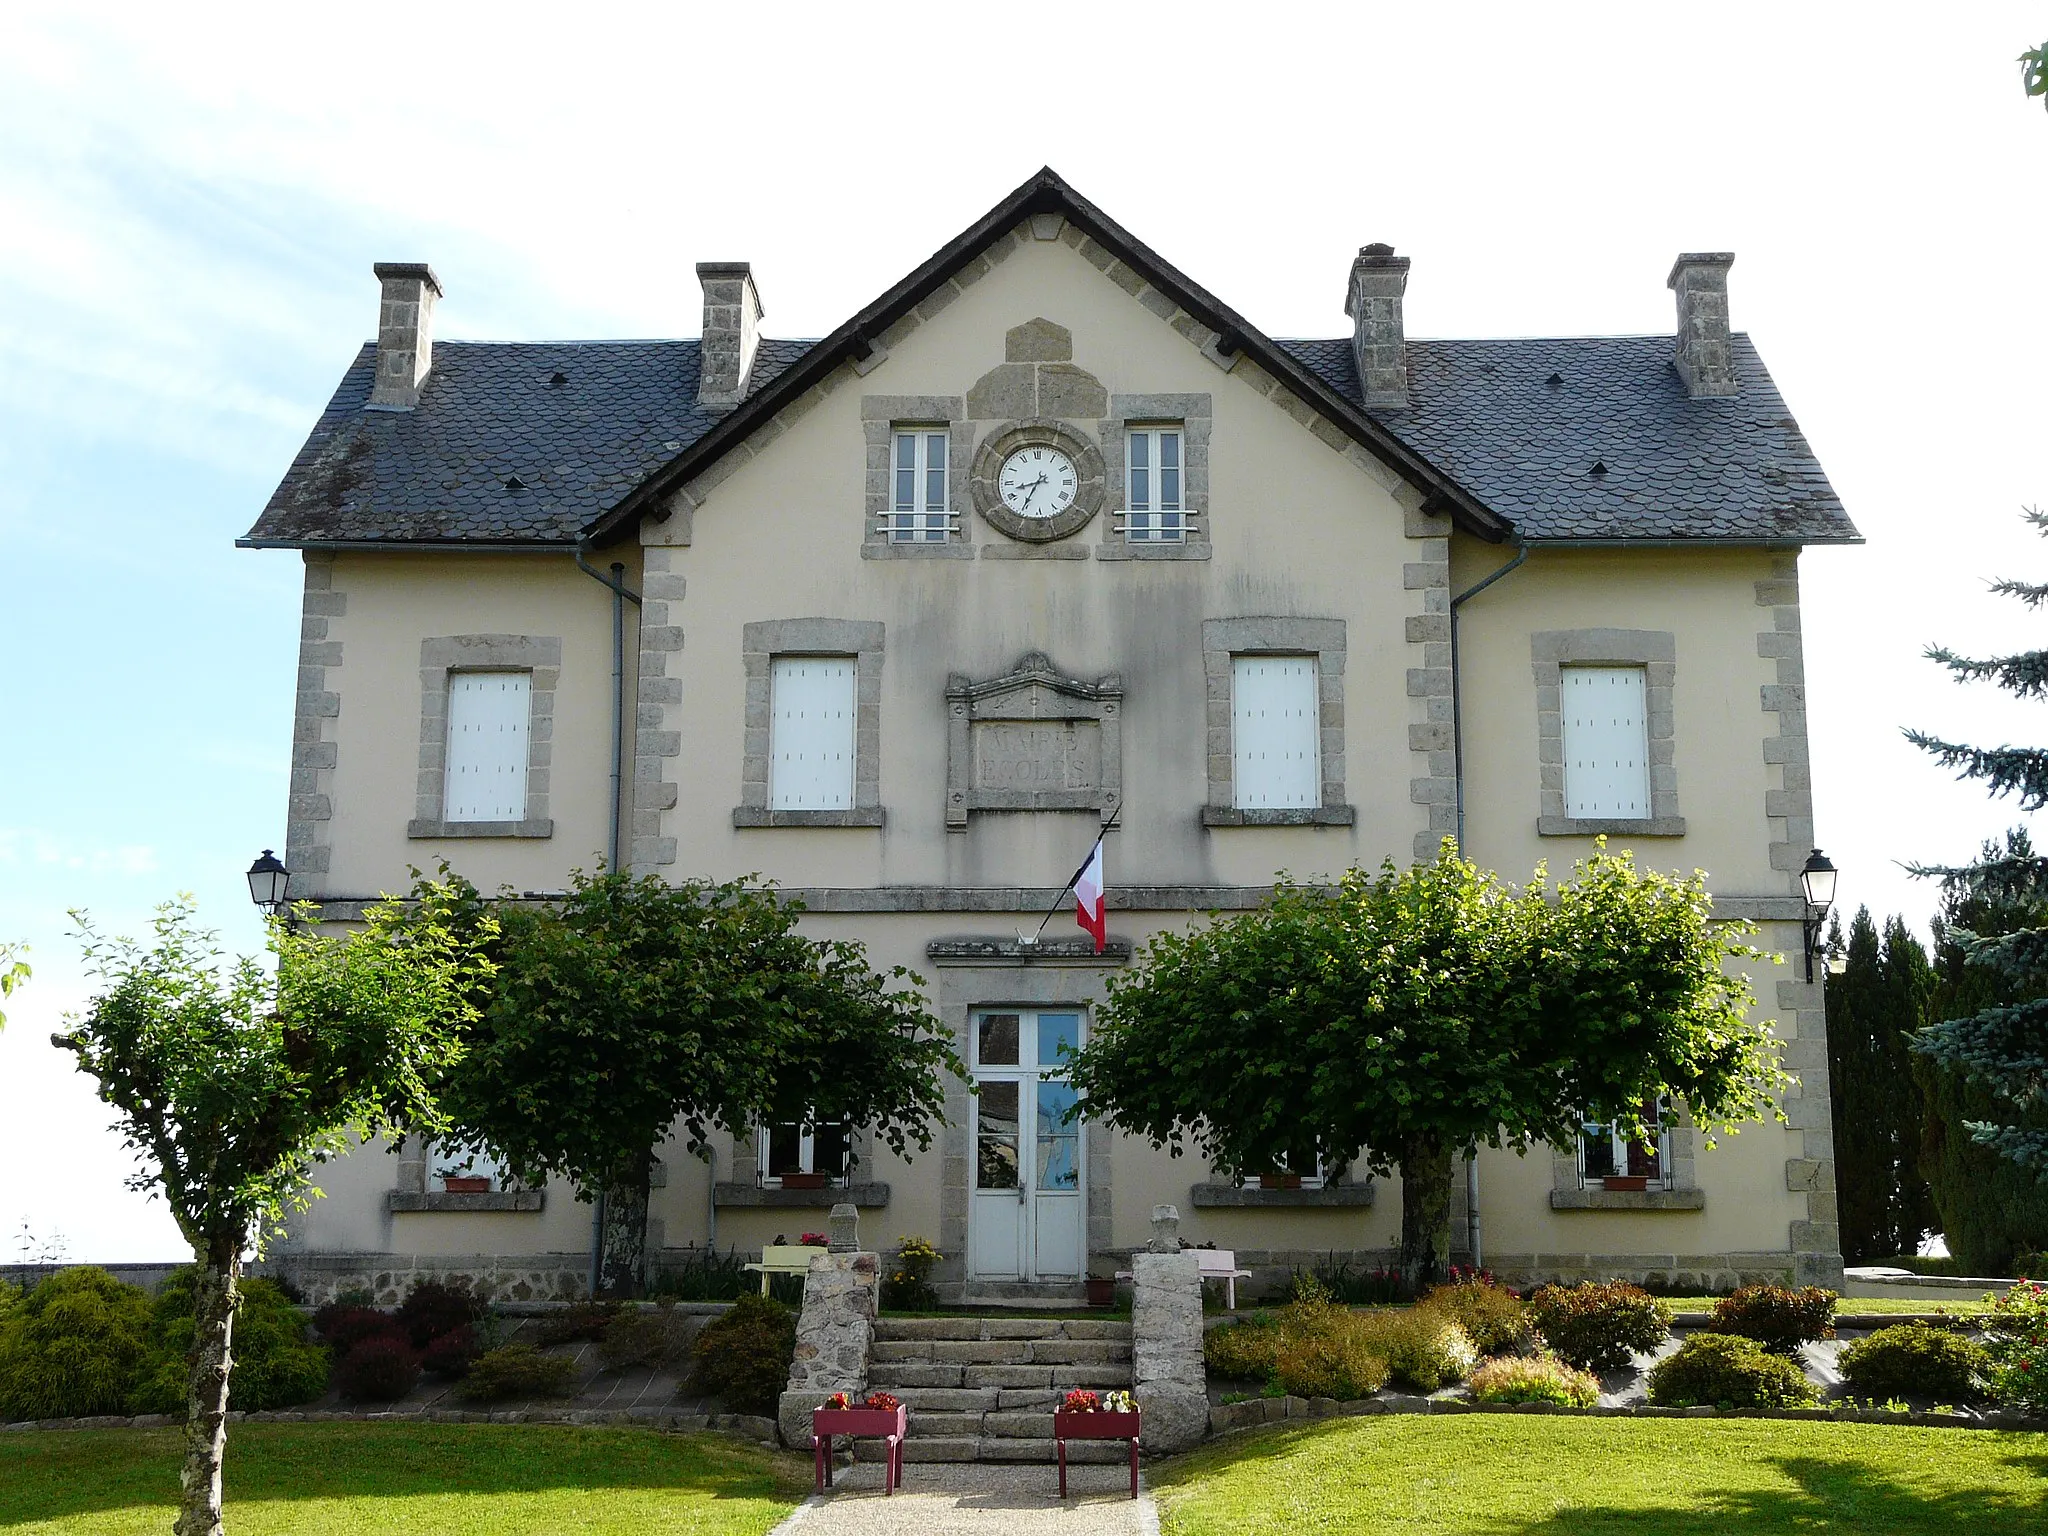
(267, 881)
(1817, 881)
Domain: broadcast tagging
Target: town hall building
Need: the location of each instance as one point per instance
(1047, 535)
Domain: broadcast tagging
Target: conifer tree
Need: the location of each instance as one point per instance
(1872, 1008)
(2002, 1047)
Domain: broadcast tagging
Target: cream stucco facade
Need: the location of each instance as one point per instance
(1307, 543)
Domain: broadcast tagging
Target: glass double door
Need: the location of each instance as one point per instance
(1026, 1219)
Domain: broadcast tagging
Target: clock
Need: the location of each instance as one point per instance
(1038, 480)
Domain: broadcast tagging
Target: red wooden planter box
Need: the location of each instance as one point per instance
(460, 1184)
(1094, 1426)
(890, 1424)
(804, 1180)
(1626, 1183)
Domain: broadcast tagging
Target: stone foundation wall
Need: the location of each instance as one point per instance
(389, 1277)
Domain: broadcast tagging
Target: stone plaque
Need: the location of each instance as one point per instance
(1037, 755)
(1032, 740)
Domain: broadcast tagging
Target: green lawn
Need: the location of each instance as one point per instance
(1516, 1475)
(421, 1479)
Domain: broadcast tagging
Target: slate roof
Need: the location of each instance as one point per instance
(1487, 415)
(488, 412)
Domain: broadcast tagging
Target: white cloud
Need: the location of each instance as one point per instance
(33, 848)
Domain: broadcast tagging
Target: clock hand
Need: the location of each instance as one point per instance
(1031, 490)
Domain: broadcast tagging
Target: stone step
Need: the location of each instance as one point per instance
(1047, 1376)
(945, 1399)
(926, 1425)
(916, 1375)
(1016, 1424)
(999, 1351)
(964, 1329)
(969, 1448)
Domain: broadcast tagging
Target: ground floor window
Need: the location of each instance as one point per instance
(1292, 1172)
(468, 1170)
(794, 1154)
(1610, 1158)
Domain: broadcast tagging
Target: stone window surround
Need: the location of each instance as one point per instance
(1193, 414)
(412, 1194)
(1569, 1190)
(540, 656)
(1225, 639)
(1654, 650)
(881, 416)
(998, 973)
(762, 642)
(746, 1188)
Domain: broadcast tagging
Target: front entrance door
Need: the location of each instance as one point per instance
(1026, 1220)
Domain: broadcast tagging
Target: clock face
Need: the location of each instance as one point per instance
(1037, 481)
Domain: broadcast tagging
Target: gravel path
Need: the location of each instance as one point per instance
(940, 1498)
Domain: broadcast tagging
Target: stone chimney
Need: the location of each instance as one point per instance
(1378, 342)
(405, 333)
(732, 329)
(1703, 359)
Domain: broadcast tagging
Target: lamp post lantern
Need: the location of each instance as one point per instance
(1817, 882)
(268, 879)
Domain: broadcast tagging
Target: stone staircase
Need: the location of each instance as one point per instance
(984, 1388)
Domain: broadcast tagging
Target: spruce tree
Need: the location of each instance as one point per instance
(1872, 1007)
(1992, 1209)
(2002, 1047)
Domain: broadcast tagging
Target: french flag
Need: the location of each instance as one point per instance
(1089, 910)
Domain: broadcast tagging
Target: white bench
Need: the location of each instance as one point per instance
(783, 1259)
(1213, 1264)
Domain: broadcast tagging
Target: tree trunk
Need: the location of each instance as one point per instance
(622, 1266)
(1425, 1211)
(206, 1400)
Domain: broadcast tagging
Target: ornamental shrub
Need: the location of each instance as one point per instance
(1494, 1316)
(1337, 1361)
(640, 1336)
(744, 1356)
(1425, 1349)
(1776, 1317)
(582, 1322)
(432, 1309)
(2016, 1339)
(518, 1370)
(1533, 1379)
(73, 1346)
(276, 1366)
(1245, 1351)
(1724, 1370)
(450, 1355)
(342, 1326)
(1915, 1360)
(1596, 1325)
(379, 1369)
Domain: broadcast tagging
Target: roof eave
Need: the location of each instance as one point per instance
(418, 546)
(1046, 192)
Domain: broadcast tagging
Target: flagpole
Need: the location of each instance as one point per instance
(1100, 833)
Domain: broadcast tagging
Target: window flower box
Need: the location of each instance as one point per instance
(466, 1184)
(889, 1422)
(1629, 1183)
(1279, 1181)
(805, 1180)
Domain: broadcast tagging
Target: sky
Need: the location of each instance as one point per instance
(191, 199)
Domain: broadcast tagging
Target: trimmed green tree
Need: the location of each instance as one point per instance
(232, 1082)
(632, 1010)
(1873, 1007)
(1416, 1014)
(2002, 1047)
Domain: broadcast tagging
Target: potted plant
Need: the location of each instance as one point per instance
(879, 1416)
(1101, 1290)
(1084, 1415)
(463, 1181)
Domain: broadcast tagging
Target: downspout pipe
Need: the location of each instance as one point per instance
(1472, 1241)
(621, 595)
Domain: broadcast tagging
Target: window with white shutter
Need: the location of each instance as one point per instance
(811, 734)
(1277, 732)
(1606, 743)
(487, 726)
